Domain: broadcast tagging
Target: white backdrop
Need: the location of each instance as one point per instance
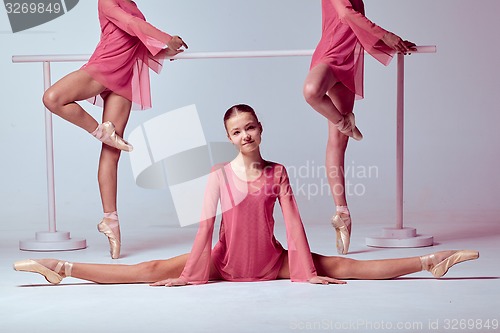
(452, 137)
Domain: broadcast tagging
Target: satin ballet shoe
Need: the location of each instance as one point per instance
(341, 225)
(52, 276)
(438, 268)
(113, 235)
(105, 133)
(347, 126)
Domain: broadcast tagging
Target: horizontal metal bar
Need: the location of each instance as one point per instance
(194, 55)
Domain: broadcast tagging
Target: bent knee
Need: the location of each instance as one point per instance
(52, 100)
(312, 92)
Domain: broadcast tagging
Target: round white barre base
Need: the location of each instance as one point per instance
(52, 241)
(405, 237)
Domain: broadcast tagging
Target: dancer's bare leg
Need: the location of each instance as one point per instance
(116, 110)
(316, 86)
(332, 99)
(346, 268)
(334, 162)
(436, 263)
(145, 272)
(336, 146)
(61, 98)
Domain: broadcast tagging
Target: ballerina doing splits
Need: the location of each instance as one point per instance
(117, 78)
(247, 189)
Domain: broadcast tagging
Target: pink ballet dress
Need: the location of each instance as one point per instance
(247, 249)
(128, 48)
(346, 33)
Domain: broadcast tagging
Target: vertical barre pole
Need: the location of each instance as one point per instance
(49, 151)
(51, 240)
(400, 140)
(400, 236)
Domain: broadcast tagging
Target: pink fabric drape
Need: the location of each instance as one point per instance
(128, 48)
(346, 33)
(247, 249)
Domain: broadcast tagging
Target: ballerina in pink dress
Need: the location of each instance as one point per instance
(336, 79)
(247, 250)
(116, 77)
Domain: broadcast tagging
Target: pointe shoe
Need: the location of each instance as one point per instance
(438, 268)
(341, 225)
(105, 133)
(113, 235)
(52, 276)
(347, 126)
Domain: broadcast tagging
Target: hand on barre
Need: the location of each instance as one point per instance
(176, 43)
(396, 43)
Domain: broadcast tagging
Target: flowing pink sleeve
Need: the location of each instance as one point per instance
(197, 269)
(153, 38)
(368, 33)
(299, 254)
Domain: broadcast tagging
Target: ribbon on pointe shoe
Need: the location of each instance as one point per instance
(438, 268)
(343, 236)
(113, 234)
(347, 126)
(52, 276)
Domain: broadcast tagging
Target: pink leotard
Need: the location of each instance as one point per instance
(346, 33)
(247, 249)
(128, 48)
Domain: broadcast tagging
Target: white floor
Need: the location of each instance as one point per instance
(465, 300)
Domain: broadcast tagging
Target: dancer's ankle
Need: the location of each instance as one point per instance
(429, 261)
(112, 220)
(106, 133)
(343, 210)
(61, 267)
(97, 133)
(341, 124)
(68, 268)
(111, 215)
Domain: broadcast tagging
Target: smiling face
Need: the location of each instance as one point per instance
(244, 131)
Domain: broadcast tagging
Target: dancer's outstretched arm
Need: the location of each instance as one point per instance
(199, 268)
(369, 34)
(154, 39)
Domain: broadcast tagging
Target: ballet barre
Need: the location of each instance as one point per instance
(197, 55)
(53, 240)
(401, 236)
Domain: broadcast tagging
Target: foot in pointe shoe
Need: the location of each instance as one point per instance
(438, 263)
(111, 229)
(342, 224)
(53, 276)
(105, 133)
(347, 126)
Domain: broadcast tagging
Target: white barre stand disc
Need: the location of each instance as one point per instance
(52, 241)
(395, 237)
